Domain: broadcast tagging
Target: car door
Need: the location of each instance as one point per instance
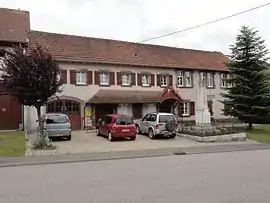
(107, 125)
(144, 124)
(152, 121)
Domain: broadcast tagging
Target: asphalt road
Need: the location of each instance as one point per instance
(203, 178)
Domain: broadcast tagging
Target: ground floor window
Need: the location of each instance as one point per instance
(137, 111)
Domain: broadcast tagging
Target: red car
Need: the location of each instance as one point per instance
(116, 126)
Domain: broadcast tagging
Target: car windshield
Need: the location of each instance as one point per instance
(123, 120)
(56, 119)
(166, 118)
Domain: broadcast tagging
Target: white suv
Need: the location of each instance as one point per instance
(157, 124)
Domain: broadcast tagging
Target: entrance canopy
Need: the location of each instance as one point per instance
(133, 96)
(125, 97)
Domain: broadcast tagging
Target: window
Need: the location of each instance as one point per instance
(185, 109)
(229, 84)
(80, 78)
(223, 80)
(126, 79)
(146, 80)
(104, 79)
(153, 118)
(163, 80)
(123, 120)
(166, 118)
(147, 117)
(180, 79)
(203, 78)
(188, 79)
(57, 119)
(210, 80)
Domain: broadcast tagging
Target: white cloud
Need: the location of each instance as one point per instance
(135, 20)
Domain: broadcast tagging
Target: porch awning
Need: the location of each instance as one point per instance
(125, 97)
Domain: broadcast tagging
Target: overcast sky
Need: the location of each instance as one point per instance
(135, 20)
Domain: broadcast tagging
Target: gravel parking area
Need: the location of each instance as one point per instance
(88, 142)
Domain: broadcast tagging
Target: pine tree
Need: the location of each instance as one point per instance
(248, 70)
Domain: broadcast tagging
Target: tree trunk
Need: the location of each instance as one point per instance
(39, 119)
(250, 126)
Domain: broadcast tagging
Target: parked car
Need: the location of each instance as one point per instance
(157, 124)
(56, 125)
(116, 126)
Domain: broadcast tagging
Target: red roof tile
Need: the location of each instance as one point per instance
(94, 50)
(13, 25)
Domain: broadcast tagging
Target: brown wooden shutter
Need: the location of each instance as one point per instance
(89, 77)
(133, 79)
(192, 108)
(139, 78)
(214, 81)
(119, 78)
(63, 76)
(180, 109)
(96, 78)
(112, 78)
(72, 77)
(170, 80)
(210, 106)
(158, 80)
(152, 76)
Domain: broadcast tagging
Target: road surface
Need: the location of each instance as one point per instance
(204, 178)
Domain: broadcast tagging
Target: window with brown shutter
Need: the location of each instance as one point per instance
(96, 77)
(89, 77)
(139, 78)
(119, 78)
(170, 80)
(192, 108)
(112, 78)
(133, 79)
(72, 77)
(152, 82)
(158, 80)
(63, 76)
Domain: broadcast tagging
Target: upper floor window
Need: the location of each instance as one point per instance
(224, 80)
(126, 79)
(184, 79)
(104, 78)
(208, 79)
(163, 80)
(81, 78)
(146, 80)
(180, 79)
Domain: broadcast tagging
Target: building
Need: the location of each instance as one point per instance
(13, 31)
(104, 76)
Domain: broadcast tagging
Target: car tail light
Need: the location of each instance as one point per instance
(157, 126)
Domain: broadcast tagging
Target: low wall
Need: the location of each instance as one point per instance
(219, 138)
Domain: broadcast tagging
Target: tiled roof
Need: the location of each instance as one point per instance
(125, 96)
(94, 50)
(14, 25)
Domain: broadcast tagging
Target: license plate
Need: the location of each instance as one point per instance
(125, 130)
(58, 134)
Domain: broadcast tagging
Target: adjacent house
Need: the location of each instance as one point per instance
(13, 31)
(107, 76)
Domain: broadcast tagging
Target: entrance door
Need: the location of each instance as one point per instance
(10, 113)
(166, 106)
(72, 109)
(102, 109)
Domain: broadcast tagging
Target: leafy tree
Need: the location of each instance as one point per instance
(31, 76)
(248, 70)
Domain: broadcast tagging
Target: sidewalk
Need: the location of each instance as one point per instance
(72, 158)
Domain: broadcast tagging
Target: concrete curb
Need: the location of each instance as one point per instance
(74, 158)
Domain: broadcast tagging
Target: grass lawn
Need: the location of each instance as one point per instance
(12, 144)
(260, 133)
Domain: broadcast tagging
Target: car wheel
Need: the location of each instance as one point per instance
(173, 136)
(110, 137)
(68, 138)
(132, 138)
(138, 131)
(98, 133)
(151, 134)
